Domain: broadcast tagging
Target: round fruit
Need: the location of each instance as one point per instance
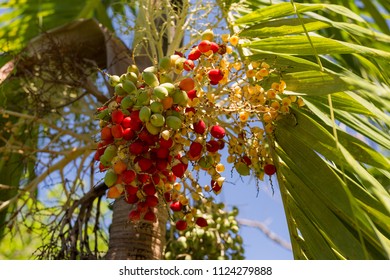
(144, 114)
(269, 169)
(110, 178)
(202, 222)
(165, 63)
(157, 120)
(187, 84)
(150, 79)
(200, 127)
(150, 216)
(151, 200)
(194, 54)
(173, 122)
(204, 46)
(117, 116)
(214, 47)
(134, 215)
(149, 189)
(180, 97)
(215, 75)
(128, 176)
(160, 92)
(195, 149)
(188, 65)
(181, 225)
(117, 131)
(105, 134)
(129, 87)
(157, 107)
(152, 129)
(217, 131)
(179, 169)
(176, 206)
(169, 87)
(208, 34)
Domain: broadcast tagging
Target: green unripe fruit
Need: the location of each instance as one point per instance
(144, 114)
(157, 120)
(133, 69)
(165, 78)
(173, 122)
(150, 79)
(170, 87)
(179, 63)
(119, 90)
(206, 162)
(180, 97)
(129, 87)
(104, 160)
(208, 34)
(110, 152)
(152, 69)
(143, 98)
(160, 92)
(242, 168)
(127, 102)
(165, 64)
(157, 107)
(110, 178)
(114, 80)
(132, 77)
(152, 129)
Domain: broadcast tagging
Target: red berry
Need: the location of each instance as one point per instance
(126, 122)
(143, 178)
(134, 215)
(217, 131)
(215, 187)
(200, 127)
(149, 189)
(215, 75)
(131, 190)
(151, 200)
(131, 198)
(181, 225)
(188, 65)
(128, 176)
(150, 216)
(128, 134)
(214, 47)
(194, 54)
(117, 131)
(162, 153)
(136, 148)
(161, 164)
(176, 206)
(168, 196)
(269, 169)
(165, 143)
(204, 46)
(179, 169)
(195, 149)
(202, 222)
(191, 94)
(117, 116)
(145, 164)
(212, 146)
(105, 134)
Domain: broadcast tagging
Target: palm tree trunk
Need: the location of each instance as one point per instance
(140, 241)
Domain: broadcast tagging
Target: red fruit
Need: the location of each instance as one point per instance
(190, 109)
(134, 115)
(168, 196)
(96, 157)
(200, 221)
(214, 47)
(117, 116)
(128, 176)
(162, 153)
(117, 131)
(195, 149)
(145, 164)
(134, 215)
(191, 94)
(245, 159)
(126, 122)
(216, 187)
(136, 148)
(200, 127)
(165, 143)
(131, 198)
(221, 144)
(143, 178)
(194, 54)
(131, 190)
(105, 134)
(215, 75)
(151, 201)
(102, 167)
(149, 189)
(187, 84)
(179, 169)
(217, 131)
(181, 225)
(161, 164)
(142, 207)
(128, 134)
(150, 216)
(135, 123)
(156, 178)
(269, 169)
(176, 206)
(145, 136)
(212, 146)
(188, 65)
(204, 46)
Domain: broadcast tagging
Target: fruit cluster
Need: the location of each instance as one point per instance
(185, 110)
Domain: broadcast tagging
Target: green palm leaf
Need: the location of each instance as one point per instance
(335, 207)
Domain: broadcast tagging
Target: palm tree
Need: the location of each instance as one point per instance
(331, 155)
